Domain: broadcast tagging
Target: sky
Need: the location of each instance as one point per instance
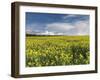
(57, 24)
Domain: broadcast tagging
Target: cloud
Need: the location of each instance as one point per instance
(72, 18)
(29, 30)
(82, 27)
(47, 33)
(34, 28)
(59, 27)
(50, 33)
(78, 28)
(69, 16)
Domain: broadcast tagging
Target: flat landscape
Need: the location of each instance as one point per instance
(57, 50)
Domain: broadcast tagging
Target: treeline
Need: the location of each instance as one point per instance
(41, 35)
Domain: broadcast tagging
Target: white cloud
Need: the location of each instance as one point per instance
(32, 28)
(78, 28)
(59, 27)
(48, 33)
(82, 27)
(69, 16)
(28, 30)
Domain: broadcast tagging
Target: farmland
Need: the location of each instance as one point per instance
(57, 50)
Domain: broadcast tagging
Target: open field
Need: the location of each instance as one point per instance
(57, 50)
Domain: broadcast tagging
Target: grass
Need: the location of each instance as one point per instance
(57, 50)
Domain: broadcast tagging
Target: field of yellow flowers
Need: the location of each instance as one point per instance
(57, 50)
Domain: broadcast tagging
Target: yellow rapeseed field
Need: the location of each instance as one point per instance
(57, 50)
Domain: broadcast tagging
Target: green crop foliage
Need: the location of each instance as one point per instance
(57, 50)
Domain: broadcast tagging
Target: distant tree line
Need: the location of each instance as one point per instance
(41, 35)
